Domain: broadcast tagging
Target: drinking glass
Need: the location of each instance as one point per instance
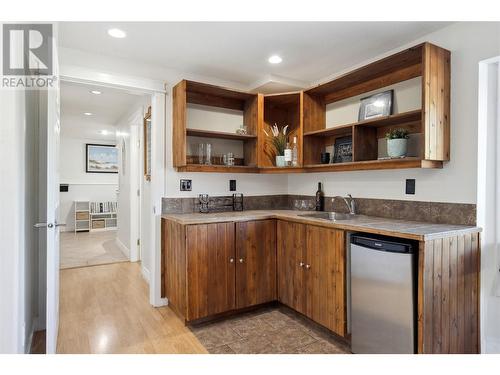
(208, 154)
(303, 204)
(201, 153)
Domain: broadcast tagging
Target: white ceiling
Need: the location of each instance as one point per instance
(238, 52)
(106, 108)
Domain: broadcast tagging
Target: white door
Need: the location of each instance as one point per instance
(53, 127)
(51, 108)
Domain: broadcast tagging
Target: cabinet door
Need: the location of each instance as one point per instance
(210, 269)
(255, 262)
(291, 264)
(325, 278)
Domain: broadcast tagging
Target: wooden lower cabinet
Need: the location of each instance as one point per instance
(255, 262)
(215, 268)
(291, 261)
(210, 269)
(311, 273)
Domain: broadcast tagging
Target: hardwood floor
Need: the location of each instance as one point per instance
(105, 309)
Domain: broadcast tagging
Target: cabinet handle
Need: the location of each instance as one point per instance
(302, 264)
(308, 266)
(231, 260)
(241, 260)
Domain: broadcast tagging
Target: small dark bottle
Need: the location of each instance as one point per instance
(320, 199)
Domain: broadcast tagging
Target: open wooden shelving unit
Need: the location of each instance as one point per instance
(189, 92)
(305, 113)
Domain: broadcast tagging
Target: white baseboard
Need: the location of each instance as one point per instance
(145, 274)
(29, 341)
(161, 302)
(492, 346)
(125, 250)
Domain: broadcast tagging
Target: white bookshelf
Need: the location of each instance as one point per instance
(82, 216)
(95, 216)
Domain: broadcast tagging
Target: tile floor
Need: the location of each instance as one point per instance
(89, 249)
(271, 330)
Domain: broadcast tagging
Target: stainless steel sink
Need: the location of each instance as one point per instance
(332, 216)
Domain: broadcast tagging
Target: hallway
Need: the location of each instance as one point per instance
(105, 309)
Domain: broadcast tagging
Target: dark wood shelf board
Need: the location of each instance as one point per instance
(272, 170)
(217, 134)
(405, 163)
(404, 59)
(409, 162)
(400, 118)
(337, 130)
(217, 168)
(216, 96)
(283, 100)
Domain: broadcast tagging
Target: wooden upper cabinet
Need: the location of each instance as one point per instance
(255, 262)
(291, 248)
(436, 102)
(210, 269)
(307, 113)
(280, 109)
(214, 98)
(179, 118)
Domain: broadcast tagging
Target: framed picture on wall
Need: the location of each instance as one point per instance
(147, 145)
(101, 158)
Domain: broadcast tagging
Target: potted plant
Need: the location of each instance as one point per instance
(278, 140)
(397, 142)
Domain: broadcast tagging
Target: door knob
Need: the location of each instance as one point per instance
(241, 260)
(308, 266)
(231, 260)
(43, 225)
(302, 264)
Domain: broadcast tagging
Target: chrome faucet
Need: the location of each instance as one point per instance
(351, 206)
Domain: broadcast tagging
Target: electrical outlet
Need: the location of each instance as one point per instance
(232, 185)
(186, 185)
(410, 186)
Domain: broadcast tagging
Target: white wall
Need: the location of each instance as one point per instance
(18, 214)
(488, 213)
(82, 186)
(128, 142)
(469, 43)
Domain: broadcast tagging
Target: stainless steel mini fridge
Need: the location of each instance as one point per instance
(383, 295)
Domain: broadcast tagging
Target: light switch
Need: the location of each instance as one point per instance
(410, 186)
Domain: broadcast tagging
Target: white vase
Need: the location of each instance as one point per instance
(397, 147)
(280, 161)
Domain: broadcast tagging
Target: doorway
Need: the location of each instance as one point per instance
(99, 174)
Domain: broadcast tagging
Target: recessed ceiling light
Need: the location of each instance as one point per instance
(104, 132)
(87, 113)
(95, 92)
(275, 59)
(117, 33)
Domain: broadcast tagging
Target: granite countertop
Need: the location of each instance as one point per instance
(414, 230)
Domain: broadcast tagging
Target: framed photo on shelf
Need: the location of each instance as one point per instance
(147, 145)
(342, 150)
(376, 105)
(101, 158)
